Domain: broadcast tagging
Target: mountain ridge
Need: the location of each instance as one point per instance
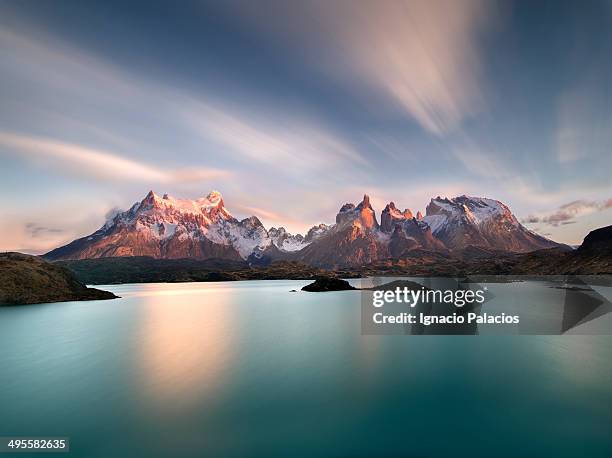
(169, 228)
(587, 260)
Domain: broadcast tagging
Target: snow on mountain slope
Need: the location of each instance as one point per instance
(475, 221)
(450, 226)
(284, 241)
(443, 212)
(245, 236)
(166, 227)
(316, 232)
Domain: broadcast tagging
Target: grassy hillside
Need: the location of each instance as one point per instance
(26, 279)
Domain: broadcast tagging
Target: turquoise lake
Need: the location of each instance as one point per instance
(251, 369)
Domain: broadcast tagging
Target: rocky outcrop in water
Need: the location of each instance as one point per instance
(323, 284)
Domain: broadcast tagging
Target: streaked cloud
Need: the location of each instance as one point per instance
(50, 224)
(36, 230)
(566, 213)
(269, 217)
(273, 139)
(489, 165)
(93, 162)
(126, 132)
(270, 135)
(424, 54)
(499, 176)
(584, 129)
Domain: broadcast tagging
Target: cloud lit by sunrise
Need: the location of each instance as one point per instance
(96, 163)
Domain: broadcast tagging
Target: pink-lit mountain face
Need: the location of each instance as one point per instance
(165, 227)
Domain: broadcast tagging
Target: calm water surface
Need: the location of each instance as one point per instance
(250, 369)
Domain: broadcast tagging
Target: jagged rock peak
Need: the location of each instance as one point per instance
(169, 227)
(150, 197)
(391, 216)
(345, 213)
(213, 201)
(215, 198)
(362, 214)
(252, 221)
(316, 232)
(365, 203)
(390, 206)
(277, 230)
(151, 200)
(286, 241)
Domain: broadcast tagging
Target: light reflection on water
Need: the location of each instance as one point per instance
(184, 349)
(250, 368)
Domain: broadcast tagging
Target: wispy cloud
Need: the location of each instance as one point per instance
(325, 102)
(36, 230)
(484, 164)
(135, 104)
(500, 176)
(272, 139)
(566, 213)
(121, 130)
(271, 218)
(424, 54)
(94, 162)
(21, 232)
(583, 125)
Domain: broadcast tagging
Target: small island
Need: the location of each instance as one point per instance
(26, 279)
(322, 284)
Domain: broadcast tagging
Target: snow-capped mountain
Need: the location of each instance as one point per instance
(450, 227)
(474, 221)
(285, 241)
(407, 232)
(165, 227)
(316, 232)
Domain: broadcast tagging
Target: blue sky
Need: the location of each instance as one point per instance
(291, 109)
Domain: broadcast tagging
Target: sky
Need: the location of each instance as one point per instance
(291, 109)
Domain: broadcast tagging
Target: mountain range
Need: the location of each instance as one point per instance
(169, 228)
